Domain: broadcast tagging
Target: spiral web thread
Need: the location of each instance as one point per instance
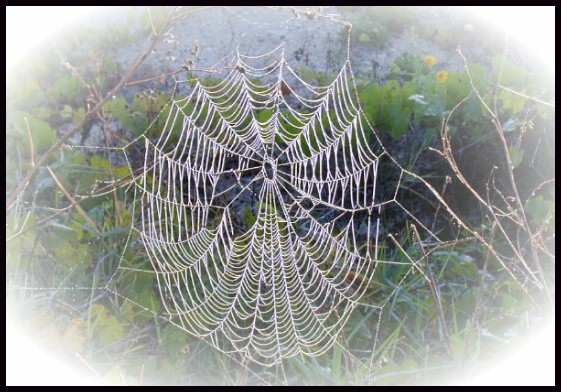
(286, 285)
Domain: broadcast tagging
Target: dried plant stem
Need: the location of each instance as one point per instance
(31, 146)
(73, 201)
(552, 105)
(510, 170)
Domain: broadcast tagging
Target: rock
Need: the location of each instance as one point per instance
(95, 136)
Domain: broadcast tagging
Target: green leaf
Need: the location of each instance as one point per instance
(457, 88)
(540, 209)
(41, 132)
(388, 107)
(116, 107)
(16, 257)
(133, 120)
(65, 90)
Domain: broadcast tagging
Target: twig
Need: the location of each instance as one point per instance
(510, 170)
(173, 73)
(38, 224)
(31, 146)
(73, 201)
(87, 365)
(552, 105)
(448, 155)
(435, 291)
(151, 22)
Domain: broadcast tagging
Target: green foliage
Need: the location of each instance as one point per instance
(65, 90)
(150, 104)
(516, 78)
(141, 289)
(98, 162)
(407, 66)
(106, 328)
(540, 209)
(107, 73)
(72, 253)
(417, 96)
(510, 102)
(388, 106)
(41, 132)
(135, 121)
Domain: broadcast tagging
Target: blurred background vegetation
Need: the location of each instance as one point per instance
(70, 246)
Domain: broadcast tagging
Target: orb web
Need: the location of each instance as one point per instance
(285, 284)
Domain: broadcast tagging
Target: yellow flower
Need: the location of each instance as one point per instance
(430, 60)
(442, 76)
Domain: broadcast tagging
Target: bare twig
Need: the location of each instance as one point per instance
(552, 105)
(73, 201)
(510, 170)
(30, 137)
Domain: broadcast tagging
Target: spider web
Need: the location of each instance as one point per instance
(286, 284)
